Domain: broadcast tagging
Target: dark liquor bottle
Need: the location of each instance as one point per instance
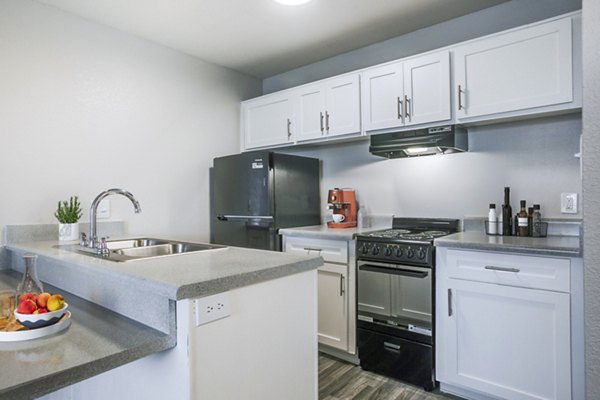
(523, 220)
(530, 220)
(506, 213)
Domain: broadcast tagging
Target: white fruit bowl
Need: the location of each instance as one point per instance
(34, 321)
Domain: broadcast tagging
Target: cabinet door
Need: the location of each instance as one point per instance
(333, 305)
(267, 121)
(310, 101)
(382, 97)
(509, 342)
(342, 114)
(518, 70)
(427, 89)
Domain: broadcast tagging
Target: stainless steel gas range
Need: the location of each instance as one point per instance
(396, 286)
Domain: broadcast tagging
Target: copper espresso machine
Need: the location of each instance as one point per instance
(342, 202)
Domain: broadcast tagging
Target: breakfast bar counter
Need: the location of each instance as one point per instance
(97, 340)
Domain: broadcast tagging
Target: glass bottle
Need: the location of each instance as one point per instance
(536, 221)
(30, 282)
(522, 220)
(506, 213)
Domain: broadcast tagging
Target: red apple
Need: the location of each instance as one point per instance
(42, 299)
(26, 306)
(27, 296)
(41, 310)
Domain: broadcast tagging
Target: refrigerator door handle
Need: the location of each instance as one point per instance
(222, 217)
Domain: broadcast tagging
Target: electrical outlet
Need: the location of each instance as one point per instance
(568, 203)
(103, 210)
(213, 307)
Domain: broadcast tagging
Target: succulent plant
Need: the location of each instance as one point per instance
(68, 212)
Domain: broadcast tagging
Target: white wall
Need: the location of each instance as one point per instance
(591, 192)
(535, 158)
(84, 108)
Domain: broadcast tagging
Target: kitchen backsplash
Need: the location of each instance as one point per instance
(534, 157)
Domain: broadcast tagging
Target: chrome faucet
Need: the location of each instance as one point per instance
(93, 241)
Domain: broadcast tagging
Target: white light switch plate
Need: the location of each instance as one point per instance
(568, 203)
(103, 209)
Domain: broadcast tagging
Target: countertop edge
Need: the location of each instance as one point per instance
(544, 247)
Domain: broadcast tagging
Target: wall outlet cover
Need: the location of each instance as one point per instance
(103, 210)
(212, 308)
(568, 203)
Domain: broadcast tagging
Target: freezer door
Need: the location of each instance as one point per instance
(246, 232)
(242, 185)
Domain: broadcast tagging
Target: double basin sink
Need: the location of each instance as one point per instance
(142, 248)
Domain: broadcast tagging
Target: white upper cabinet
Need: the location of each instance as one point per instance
(328, 108)
(518, 70)
(413, 92)
(267, 121)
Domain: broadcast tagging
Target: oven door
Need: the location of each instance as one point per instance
(395, 295)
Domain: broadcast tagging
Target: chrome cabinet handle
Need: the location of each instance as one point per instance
(406, 107)
(400, 114)
(313, 249)
(289, 130)
(321, 115)
(449, 302)
(327, 122)
(342, 290)
(503, 269)
(460, 92)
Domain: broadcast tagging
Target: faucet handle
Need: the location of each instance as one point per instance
(102, 247)
(84, 241)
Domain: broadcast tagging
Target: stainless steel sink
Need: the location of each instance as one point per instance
(142, 249)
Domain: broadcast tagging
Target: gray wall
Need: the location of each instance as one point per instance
(591, 192)
(494, 19)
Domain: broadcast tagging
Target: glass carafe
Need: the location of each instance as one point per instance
(30, 282)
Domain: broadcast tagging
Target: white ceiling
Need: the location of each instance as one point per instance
(261, 37)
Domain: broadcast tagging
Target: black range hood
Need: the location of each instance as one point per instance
(421, 142)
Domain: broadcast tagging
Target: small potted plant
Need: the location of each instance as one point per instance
(68, 214)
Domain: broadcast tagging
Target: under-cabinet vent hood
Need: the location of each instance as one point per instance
(421, 142)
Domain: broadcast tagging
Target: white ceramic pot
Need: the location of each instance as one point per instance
(68, 232)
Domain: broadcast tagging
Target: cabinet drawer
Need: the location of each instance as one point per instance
(330, 250)
(507, 269)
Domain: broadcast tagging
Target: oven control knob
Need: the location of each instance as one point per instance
(375, 250)
(399, 252)
(388, 251)
(421, 254)
(364, 249)
(410, 253)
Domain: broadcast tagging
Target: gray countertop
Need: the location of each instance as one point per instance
(561, 246)
(97, 340)
(186, 275)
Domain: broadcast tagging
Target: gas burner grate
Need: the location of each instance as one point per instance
(390, 233)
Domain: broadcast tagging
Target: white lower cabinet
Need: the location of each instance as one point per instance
(333, 305)
(336, 290)
(503, 340)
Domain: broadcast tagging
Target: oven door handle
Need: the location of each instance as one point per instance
(393, 271)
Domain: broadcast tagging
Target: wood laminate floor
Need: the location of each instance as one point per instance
(339, 380)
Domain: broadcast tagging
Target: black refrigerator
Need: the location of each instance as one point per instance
(255, 194)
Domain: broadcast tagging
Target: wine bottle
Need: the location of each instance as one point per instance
(530, 221)
(536, 221)
(506, 213)
(523, 220)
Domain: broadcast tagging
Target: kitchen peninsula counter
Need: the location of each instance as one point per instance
(152, 305)
(97, 340)
(560, 246)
